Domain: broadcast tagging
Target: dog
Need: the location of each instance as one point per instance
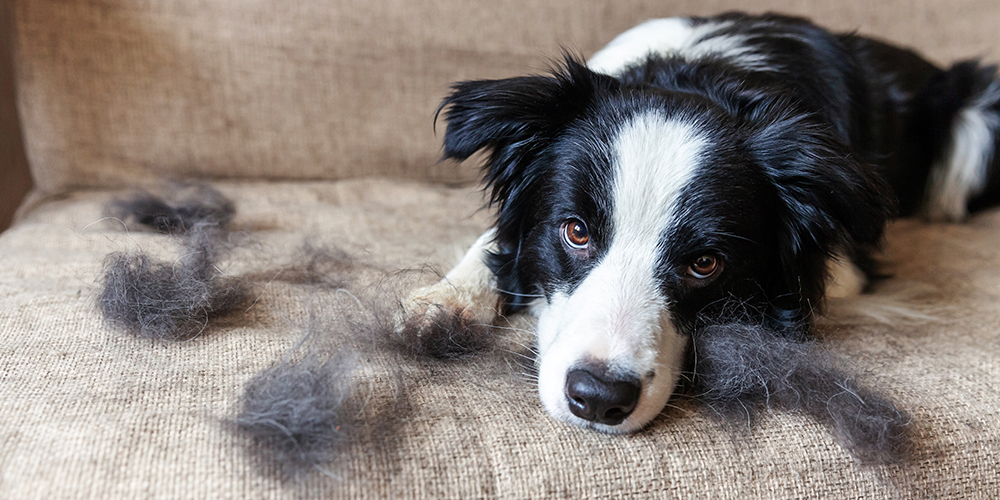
(696, 169)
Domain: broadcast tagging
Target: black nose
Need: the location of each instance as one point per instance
(601, 400)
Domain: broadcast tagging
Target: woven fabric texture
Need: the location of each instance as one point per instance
(88, 412)
(115, 91)
(264, 96)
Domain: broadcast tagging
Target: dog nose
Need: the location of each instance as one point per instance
(599, 400)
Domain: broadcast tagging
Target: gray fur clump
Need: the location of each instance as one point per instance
(299, 412)
(740, 370)
(172, 300)
(186, 207)
(302, 414)
(329, 267)
(168, 300)
(322, 267)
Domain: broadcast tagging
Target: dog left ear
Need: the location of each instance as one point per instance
(829, 202)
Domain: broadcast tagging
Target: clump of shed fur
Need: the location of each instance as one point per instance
(319, 266)
(303, 413)
(172, 300)
(442, 336)
(168, 300)
(187, 206)
(742, 369)
(299, 412)
(385, 323)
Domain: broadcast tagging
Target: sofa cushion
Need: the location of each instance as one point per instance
(111, 91)
(86, 411)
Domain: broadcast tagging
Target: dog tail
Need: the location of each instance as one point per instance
(965, 175)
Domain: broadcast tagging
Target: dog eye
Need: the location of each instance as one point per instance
(704, 266)
(574, 233)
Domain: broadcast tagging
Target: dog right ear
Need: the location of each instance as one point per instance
(515, 120)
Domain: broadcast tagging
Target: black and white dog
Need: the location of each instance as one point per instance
(694, 164)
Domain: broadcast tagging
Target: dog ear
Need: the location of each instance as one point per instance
(516, 119)
(829, 202)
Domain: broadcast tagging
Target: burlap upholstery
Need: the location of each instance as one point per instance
(85, 411)
(115, 91)
(112, 93)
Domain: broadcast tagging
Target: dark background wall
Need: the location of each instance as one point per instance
(14, 177)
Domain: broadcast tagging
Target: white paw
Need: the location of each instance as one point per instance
(427, 306)
(844, 279)
(445, 322)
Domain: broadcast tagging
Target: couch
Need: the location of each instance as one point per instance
(316, 119)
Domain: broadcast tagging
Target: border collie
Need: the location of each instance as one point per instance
(701, 168)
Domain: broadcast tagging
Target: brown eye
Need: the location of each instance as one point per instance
(575, 234)
(704, 266)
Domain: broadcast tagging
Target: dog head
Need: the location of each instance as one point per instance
(634, 210)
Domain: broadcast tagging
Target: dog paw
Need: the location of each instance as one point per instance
(445, 321)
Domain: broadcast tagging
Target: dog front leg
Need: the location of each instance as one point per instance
(468, 292)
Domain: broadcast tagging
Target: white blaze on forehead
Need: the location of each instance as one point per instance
(676, 36)
(654, 158)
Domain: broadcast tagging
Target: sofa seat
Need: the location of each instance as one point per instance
(90, 412)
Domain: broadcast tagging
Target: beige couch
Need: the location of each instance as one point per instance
(316, 118)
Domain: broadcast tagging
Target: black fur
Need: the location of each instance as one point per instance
(816, 198)
(517, 120)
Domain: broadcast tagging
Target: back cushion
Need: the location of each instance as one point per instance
(113, 92)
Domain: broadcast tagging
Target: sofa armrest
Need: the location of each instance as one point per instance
(15, 179)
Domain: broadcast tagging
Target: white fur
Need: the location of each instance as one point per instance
(469, 289)
(618, 314)
(472, 269)
(675, 36)
(844, 279)
(961, 173)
